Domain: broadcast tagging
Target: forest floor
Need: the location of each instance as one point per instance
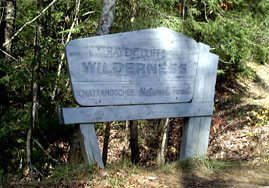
(239, 143)
(238, 153)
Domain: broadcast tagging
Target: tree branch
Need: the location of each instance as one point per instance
(41, 147)
(29, 22)
(67, 40)
(8, 55)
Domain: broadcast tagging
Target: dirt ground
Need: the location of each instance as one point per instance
(240, 135)
(239, 139)
(243, 176)
(241, 126)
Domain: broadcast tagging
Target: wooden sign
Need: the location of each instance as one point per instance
(147, 74)
(143, 67)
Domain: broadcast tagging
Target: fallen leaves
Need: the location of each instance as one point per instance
(241, 143)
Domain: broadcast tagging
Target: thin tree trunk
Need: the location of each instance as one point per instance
(133, 12)
(106, 20)
(161, 154)
(75, 154)
(105, 23)
(59, 69)
(8, 24)
(34, 86)
(106, 142)
(29, 147)
(135, 153)
(183, 13)
(7, 42)
(7, 16)
(125, 141)
(107, 17)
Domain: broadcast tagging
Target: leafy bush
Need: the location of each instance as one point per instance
(237, 30)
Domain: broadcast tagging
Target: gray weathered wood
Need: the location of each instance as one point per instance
(134, 112)
(140, 67)
(194, 141)
(206, 74)
(146, 74)
(196, 130)
(89, 144)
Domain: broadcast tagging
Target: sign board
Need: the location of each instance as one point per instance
(143, 67)
(146, 74)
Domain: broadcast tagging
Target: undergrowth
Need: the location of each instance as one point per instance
(205, 165)
(71, 172)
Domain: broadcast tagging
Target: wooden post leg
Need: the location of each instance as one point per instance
(195, 137)
(196, 129)
(89, 145)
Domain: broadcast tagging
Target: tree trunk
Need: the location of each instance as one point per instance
(29, 148)
(124, 152)
(161, 153)
(135, 154)
(7, 25)
(106, 142)
(7, 16)
(105, 23)
(34, 86)
(75, 154)
(133, 12)
(107, 17)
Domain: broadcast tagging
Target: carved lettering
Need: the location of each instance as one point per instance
(129, 68)
(173, 68)
(178, 91)
(117, 68)
(132, 92)
(140, 68)
(162, 68)
(145, 69)
(106, 92)
(114, 51)
(106, 69)
(148, 68)
(154, 92)
(89, 67)
(152, 69)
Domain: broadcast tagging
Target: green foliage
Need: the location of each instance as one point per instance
(167, 168)
(122, 164)
(16, 77)
(258, 117)
(135, 15)
(232, 33)
(117, 182)
(236, 30)
(73, 172)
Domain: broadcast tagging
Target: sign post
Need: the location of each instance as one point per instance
(146, 74)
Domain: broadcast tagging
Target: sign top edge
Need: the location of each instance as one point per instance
(162, 30)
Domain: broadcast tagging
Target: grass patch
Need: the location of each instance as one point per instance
(168, 167)
(117, 182)
(73, 172)
(122, 164)
(206, 165)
